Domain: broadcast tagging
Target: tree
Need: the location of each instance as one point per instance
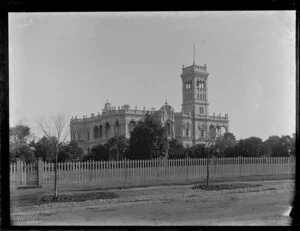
(19, 136)
(231, 151)
(117, 147)
(197, 151)
(287, 145)
(293, 146)
(250, 147)
(54, 129)
(278, 146)
(25, 153)
(70, 152)
(148, 140)
(44, 149)
(176, 150)
(98, 153)
(225, 144)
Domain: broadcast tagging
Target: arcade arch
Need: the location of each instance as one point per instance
(212, 132)
(131, 125)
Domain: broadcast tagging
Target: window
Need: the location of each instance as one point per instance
(88, 150)
(88, 136)
(131, 126)
(117, 128)
(96, 132)
(202, 133)
(168, 129)
(100, 131)
(201, 110)
(187, 129)
(107, 129)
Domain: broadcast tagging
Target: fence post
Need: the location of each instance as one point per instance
(19, 173)
(186, 160)
(126, 169)
(40, 171)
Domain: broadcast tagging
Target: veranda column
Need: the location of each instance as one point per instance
(126, 129)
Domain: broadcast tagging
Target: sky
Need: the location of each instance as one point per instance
(71, 63)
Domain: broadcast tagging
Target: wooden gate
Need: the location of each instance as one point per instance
(29, 174)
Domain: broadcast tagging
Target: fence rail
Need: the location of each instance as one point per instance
(136, 172)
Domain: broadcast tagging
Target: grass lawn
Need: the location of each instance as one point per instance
(212, 187)
(76, 197)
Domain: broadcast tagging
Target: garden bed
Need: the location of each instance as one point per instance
(212, 187)
(76, 197)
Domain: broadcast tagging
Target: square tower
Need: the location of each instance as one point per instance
(194, 90)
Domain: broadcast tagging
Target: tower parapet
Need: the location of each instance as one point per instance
(194, 69)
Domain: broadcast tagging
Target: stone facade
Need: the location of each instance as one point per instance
(97, 129)
(193, 125)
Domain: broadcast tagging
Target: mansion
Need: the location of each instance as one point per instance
(193, 125)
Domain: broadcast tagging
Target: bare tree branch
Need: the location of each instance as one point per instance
(56, 130)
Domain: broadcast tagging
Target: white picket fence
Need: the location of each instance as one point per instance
(143, 172)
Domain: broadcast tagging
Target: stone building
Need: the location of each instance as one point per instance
(193, 125)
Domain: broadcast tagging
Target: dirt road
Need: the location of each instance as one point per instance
(176, 205)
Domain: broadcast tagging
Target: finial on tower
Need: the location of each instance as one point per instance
(166, 103)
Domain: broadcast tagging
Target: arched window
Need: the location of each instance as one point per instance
(96, 132)
(117, 127)
(212, 132)
(107, 129)
(168, 129)
(100, 131)
(222, 131)
(187, 129)
(131, 126)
